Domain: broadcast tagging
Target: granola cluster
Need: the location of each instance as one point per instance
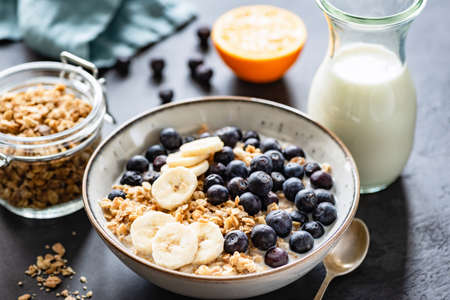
(41, 112)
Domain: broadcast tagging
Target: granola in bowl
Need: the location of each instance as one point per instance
(222, 203)
(29, 121)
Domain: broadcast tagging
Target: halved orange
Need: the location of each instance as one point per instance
(259, 42)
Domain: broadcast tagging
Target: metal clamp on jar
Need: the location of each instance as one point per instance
(41, 176)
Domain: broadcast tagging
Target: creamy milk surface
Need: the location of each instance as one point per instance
(366, 96)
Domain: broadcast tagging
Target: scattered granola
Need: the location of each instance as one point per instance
(48, 270)
(24, 297)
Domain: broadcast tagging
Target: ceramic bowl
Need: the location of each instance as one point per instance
(268, 118)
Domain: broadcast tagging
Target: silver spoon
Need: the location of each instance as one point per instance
(347, 255)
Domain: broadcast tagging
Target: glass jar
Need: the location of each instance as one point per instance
(363, 91)
(41, 177)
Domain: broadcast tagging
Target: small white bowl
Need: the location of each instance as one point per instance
(268, 118)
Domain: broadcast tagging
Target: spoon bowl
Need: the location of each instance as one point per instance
(350, 251)
(347, 255)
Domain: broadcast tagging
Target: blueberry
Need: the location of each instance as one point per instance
(251, 134)
(193, 63)
(321, 179)
(123, 66)
(235, 240)
(298, 216)
(301, 241)
(324, 196)
(166, 95)
(157, 65)
(203, 74)
(250, 202)
(306, 200)
(237, 186)
(237, 168)
(291, 187)
(153, 151)
(170, 138)
(280, 221)
(292, 151)
(188, 139)
(117, 193)
(224, 156)
(263, 237)
(251, 142)
(270, 144)
(229, 135)
(260, 183)
(203, 34)
(158, 162)
(277, 160)
(204, 135)
(217, 194)
(239, 131)
(314, 228)
(150, 176)
(137, 163)
(218, 169)
(261, 162)
(325, 213)
(278, 180)
(276, 257)
(131, 178)
(311, 167)
(293, 170)
(211, 180)
(270, 198)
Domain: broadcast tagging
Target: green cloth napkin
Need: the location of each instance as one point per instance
(99, 30)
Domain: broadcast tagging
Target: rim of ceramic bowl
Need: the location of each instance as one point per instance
(331, 240)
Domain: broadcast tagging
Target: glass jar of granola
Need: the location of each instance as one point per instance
(51, 115)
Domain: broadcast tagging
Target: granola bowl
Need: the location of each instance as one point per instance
(230, 280)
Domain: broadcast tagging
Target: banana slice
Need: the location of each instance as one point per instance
(174, 187)
(164, 168)
(177, 160)
(144, 228)
(200, 168)
(210, 242)
(202, 146)
(174, 245)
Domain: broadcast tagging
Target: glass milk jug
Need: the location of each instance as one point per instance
(363, 91)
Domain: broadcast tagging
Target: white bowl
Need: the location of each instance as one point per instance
(266, 117)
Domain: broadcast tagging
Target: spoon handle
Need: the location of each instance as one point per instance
(324, 286)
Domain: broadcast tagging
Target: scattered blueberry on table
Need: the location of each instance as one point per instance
(166, 95)
(203, 34)
(157, 65)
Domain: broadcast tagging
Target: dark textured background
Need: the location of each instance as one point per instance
(409, 256)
